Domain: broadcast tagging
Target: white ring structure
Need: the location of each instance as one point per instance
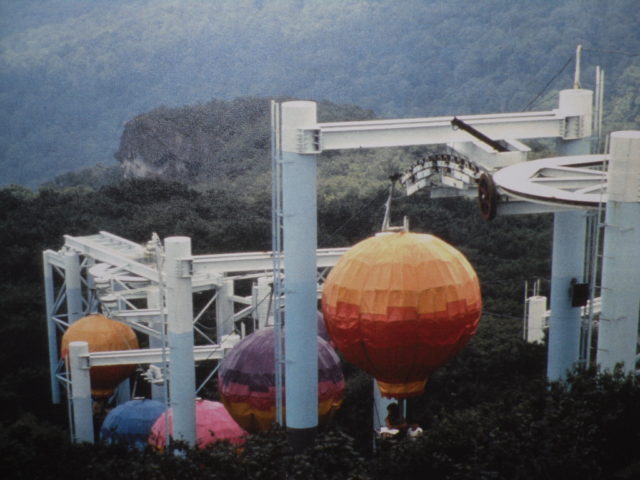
(577, 180)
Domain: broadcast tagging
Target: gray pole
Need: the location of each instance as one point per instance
(618, 328)
(182, 383)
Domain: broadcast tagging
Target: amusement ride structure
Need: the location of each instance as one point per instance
(173, 299)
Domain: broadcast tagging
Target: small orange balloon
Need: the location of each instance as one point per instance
(102, 334)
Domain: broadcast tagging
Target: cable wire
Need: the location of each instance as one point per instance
(367, 205)
(613, 52)
(531, 102)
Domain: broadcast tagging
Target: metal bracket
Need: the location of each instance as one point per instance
(184, 268)
(572, 128)
(85, 362)
(308, 141)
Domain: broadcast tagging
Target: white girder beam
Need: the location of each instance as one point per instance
(148, 315)
(206, 267)
(155, 355)
(133, 293)
(54, 258)
(113, 256)
(436, 130)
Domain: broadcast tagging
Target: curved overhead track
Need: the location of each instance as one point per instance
(579, 180)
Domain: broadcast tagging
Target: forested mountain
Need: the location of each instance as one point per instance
(73, 72)
(181, 89)
(487, 414)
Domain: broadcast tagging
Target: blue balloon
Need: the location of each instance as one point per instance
(131, 422)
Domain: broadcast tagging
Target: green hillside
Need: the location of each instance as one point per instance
(72, 72)
(185, 84)
(487, 414)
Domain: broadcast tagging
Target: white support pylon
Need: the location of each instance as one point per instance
(182, 384)
(569, 237)
(154, 300)
(300, 244)
(618, 327)
(81, 392)
(73, 285)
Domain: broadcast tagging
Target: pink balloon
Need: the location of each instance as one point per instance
(213, 424)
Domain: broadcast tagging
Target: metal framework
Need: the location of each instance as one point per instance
(567, 186)
(296, 139)
(127, 282)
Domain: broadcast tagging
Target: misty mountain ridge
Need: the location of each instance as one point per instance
(72, 73)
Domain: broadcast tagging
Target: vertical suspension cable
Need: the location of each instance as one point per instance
(595, 130)
(72, 425)
(276, 241)
(159, 252)
(600, 110)
(597, 225)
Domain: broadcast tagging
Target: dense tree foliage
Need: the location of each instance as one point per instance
(75, 75)
(72, 72)
(487, 414)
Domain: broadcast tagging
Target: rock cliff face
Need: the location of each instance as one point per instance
(221, 142)
(198, 143)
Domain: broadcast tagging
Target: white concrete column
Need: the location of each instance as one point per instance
(81, 392)
(155, 302)
(73, 285)
(567, 264)
(569, 237)
(182, 385)
(380, 405)
(618, 327)
(300, 244)
(577, 105)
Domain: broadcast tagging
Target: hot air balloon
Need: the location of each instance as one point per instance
(213, 424)
(322, 328)
(400, 305)
(131, 422)
(102, 334)
(247, 381)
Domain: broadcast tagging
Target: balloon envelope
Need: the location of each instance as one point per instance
(102, 334)
(213, 424)
(131, 422)
(247, 381)
(399, 305)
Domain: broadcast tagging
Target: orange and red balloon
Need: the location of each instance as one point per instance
(400, 305)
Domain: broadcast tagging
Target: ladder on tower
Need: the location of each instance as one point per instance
(595, 228)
